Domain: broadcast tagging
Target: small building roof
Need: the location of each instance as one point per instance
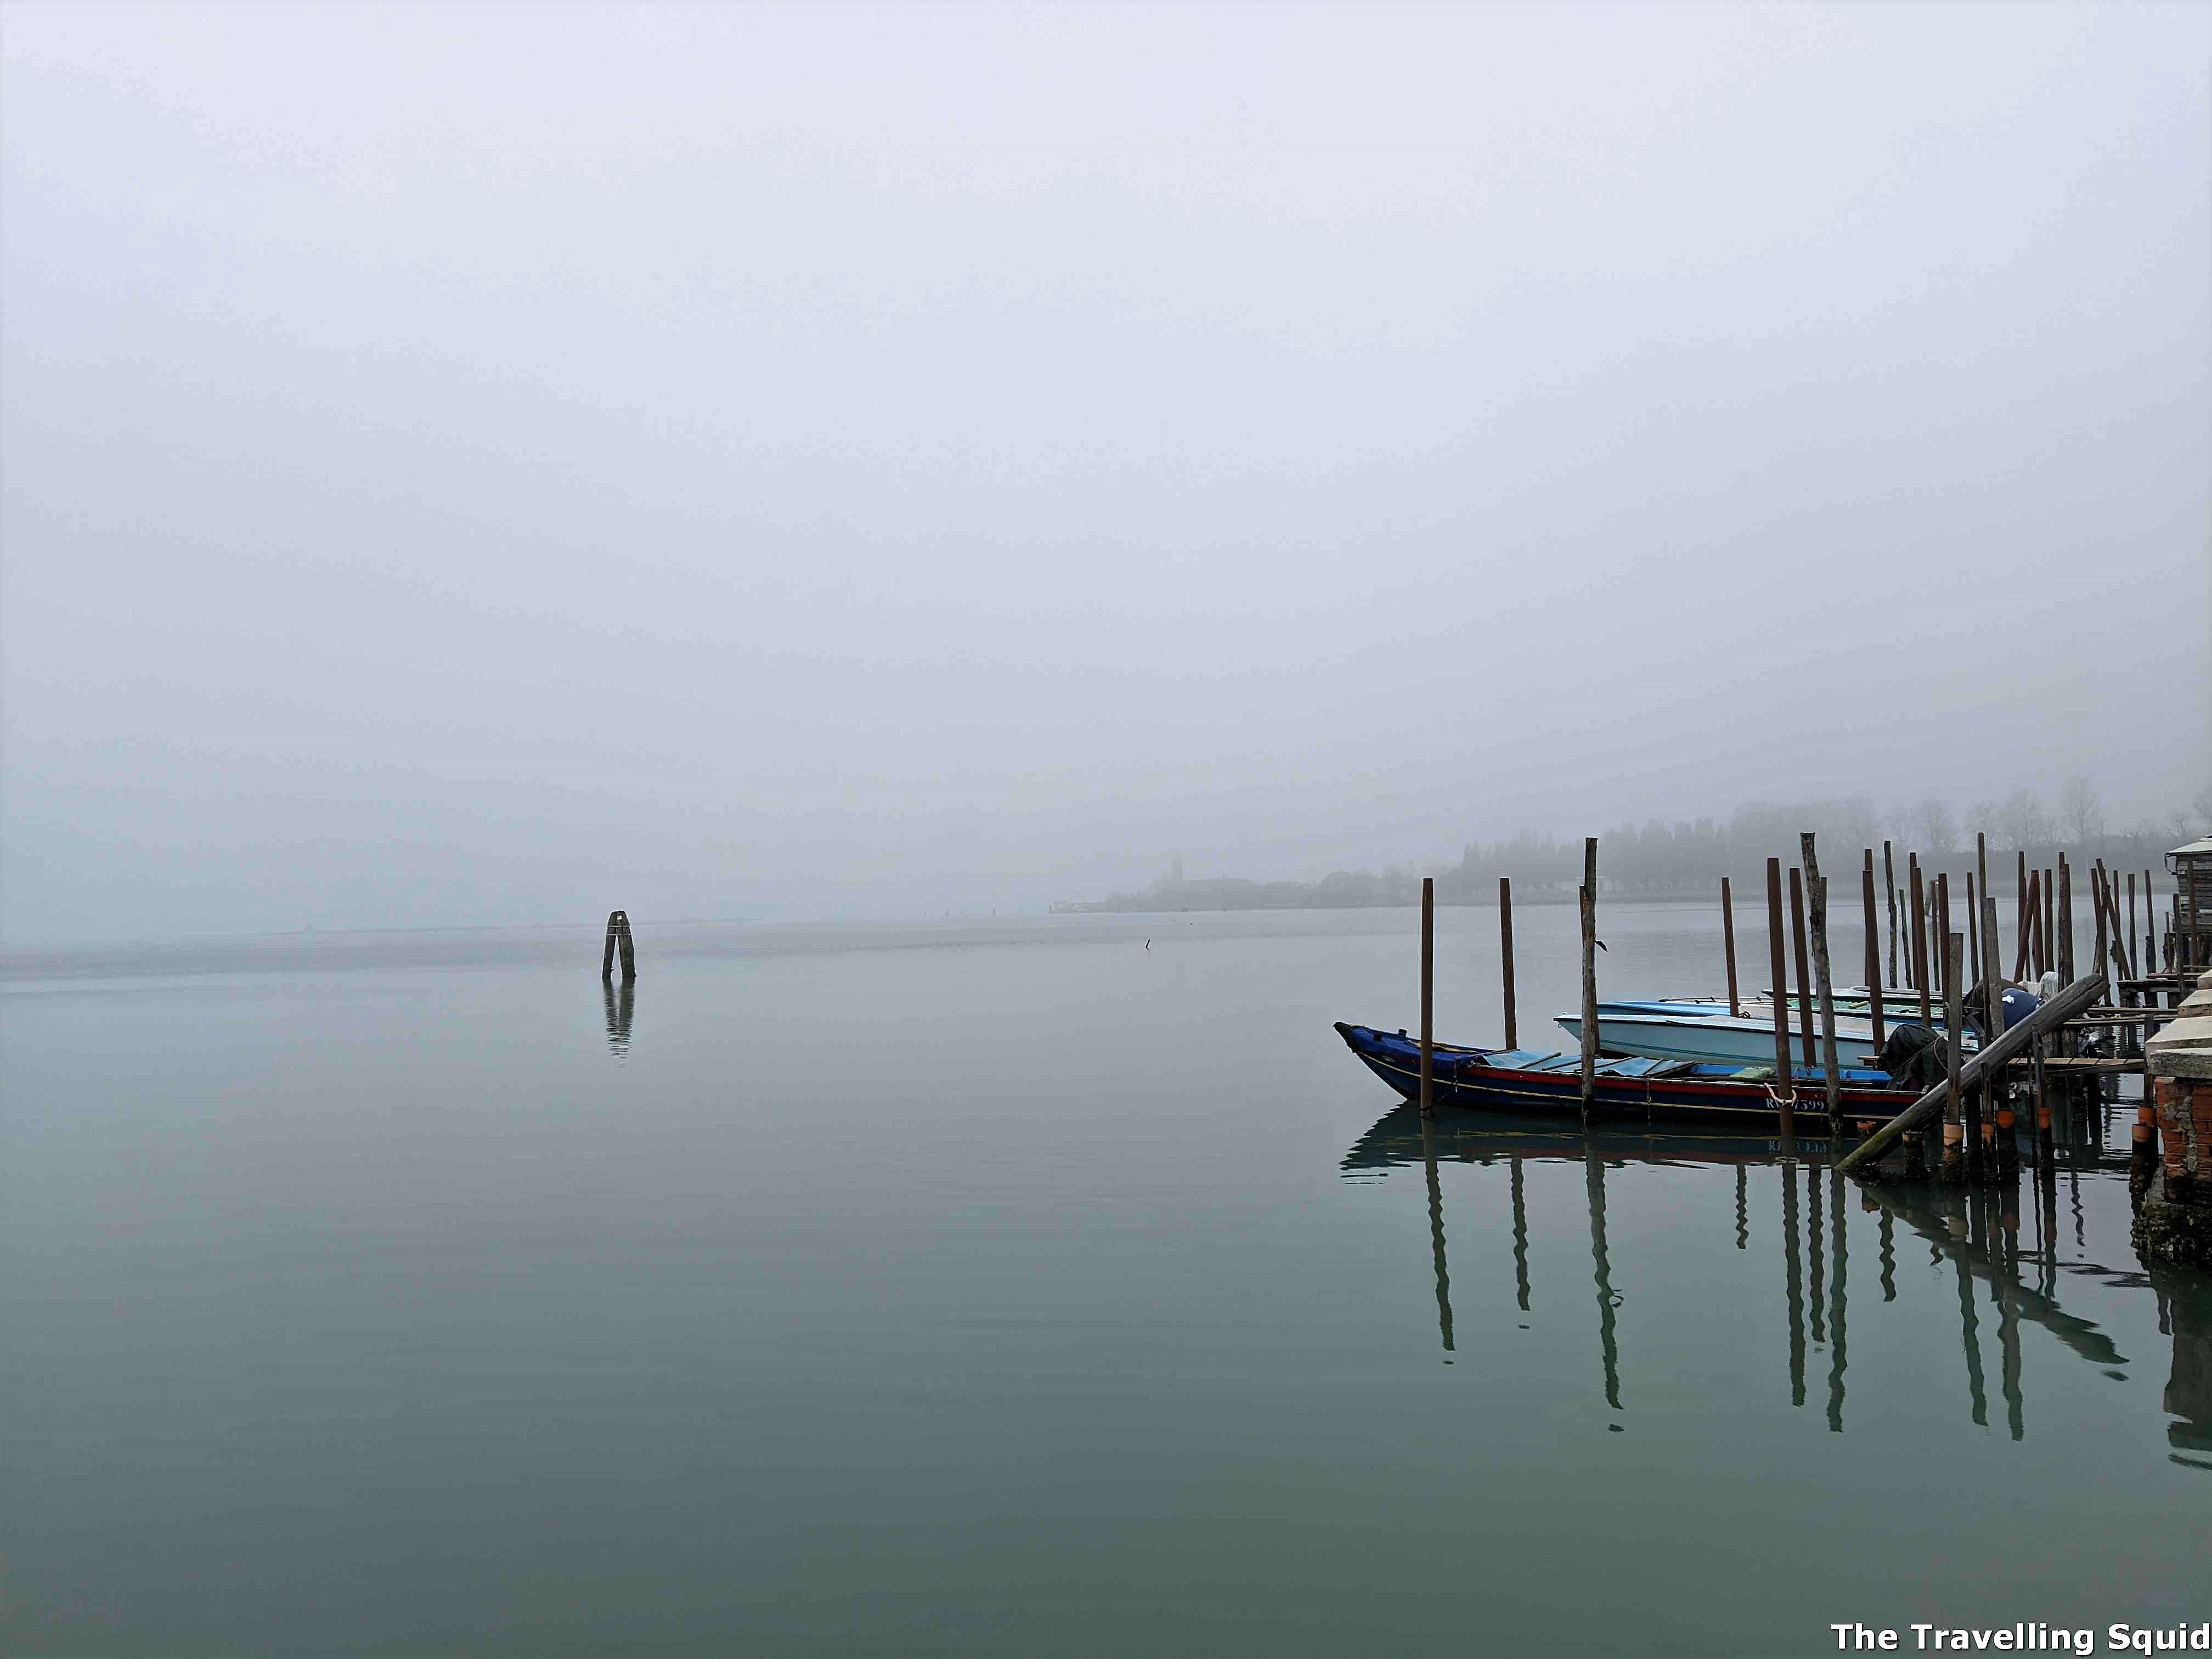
(2197, 849)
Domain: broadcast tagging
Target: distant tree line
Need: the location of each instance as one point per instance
(1656, 860)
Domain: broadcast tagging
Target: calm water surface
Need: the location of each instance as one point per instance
(1009, 1288)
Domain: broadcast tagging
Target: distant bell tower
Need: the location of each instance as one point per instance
(1175, 870)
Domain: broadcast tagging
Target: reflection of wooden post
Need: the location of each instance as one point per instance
(1727, 943)
(1505, 954)
(1823, 982)
(1589, 978)
(1785, 1092)
(1436, 1233)
(1804, 971)
(1889, 876)
(1873, 951)
(1428, 993)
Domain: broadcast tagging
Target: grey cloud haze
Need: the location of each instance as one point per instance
(479, 465)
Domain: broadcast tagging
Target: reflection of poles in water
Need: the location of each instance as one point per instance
(621, 1003)
(1594, 1178)
(1813, 1250)
(1889, 1255)
(1436, 1230)
(2004, 1280)
(2046, 1229)
(2188, 1397)
(1520, 1237)
(1838, 1358)
(1743, 1218)
(1796, 1285)
(1969, 1335)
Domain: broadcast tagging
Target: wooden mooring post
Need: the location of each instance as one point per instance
(618, 938)
(1727, 946)
(1873, 951)
(1954, 1125)
(1784, 1088)
(1889, 876)
(1505, 955)
(1997, 1134)
(2065, 921)
(1804, 969)
(1824, 985)
(1428, 993)
(1973, 928)
(1589, 978)
(1920, 944)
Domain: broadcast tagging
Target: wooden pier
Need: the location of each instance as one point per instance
(2119, 1012)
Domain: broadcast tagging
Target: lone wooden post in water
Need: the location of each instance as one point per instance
(1804, 971)
(1589, 978)
(1505, 954)
(618, 940)
(1873, 952)
(1823, 983)
(1428, 993)
(1785, 1093)
(1727, 943)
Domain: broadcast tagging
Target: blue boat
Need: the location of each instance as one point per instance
(1527, 1079)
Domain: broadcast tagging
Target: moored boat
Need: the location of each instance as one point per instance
(1523, 1079)
(1696, 1029)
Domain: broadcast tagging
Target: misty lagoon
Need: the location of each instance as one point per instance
(1011, 1287)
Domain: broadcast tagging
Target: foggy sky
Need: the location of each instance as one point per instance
(482, 466)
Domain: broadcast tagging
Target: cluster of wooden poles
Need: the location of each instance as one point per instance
(618, 938)
(1972, 1148)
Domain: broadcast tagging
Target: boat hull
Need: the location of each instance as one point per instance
(1482, 1079)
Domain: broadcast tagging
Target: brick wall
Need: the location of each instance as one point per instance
(2184, 1132)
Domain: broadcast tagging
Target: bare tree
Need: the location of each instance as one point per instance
(2022, 821)
(2080, 811)
(2200, 807)
(1933, 827)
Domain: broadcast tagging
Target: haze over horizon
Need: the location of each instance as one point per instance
(478, 465)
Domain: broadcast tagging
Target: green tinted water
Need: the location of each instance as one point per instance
(1011, 1288)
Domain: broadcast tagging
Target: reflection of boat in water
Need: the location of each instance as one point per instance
(1523, 1079)
(1702, 1029)
(1396, 1141)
